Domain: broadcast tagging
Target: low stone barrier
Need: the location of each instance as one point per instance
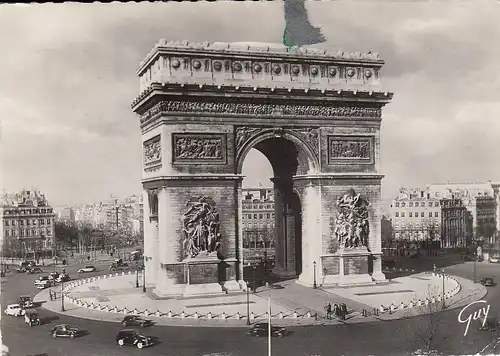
(418, 303)
(170, 314)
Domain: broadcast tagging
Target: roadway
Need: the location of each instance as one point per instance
(382, 338)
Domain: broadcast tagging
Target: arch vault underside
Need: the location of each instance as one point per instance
(202, 109)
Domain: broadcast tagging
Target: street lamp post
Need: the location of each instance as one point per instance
(144, 279)
(62, 296)
(443, 289)
(137, 277)
(254, 286)
(248, 306)
(314, 275)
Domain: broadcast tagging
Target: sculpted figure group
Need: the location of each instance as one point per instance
(201, 227)
(352, 227)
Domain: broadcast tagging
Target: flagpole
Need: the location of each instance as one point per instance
(269, 328)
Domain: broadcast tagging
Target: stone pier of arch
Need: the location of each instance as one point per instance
(316, 116)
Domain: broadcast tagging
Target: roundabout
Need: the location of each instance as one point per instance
(387, 337)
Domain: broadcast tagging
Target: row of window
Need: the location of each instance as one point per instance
(28, 211)
(27, 232)
(260, 225)
(258, 206)
(28, 222)
(258, 216)
(422, 214)
(417, 204)
(417, 224)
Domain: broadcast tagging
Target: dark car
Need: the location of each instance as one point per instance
(131, 337)
(487, 281)
(64, 330)
(135, 320)
(21, 269)
(34, 270)
(262, 329)
(118, 266)
(388, 263)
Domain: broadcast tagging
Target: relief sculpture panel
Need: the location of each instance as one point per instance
(350, 149)
(152, 154)
(199, 148)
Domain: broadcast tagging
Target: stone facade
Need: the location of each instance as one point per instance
(316, 116)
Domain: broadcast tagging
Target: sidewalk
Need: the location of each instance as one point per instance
(121, 292)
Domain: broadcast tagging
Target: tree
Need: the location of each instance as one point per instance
(431, 232)
(423, 331)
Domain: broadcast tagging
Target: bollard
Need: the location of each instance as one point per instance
(209, 316)
(280, 315)
(158, 313)
(223, 316)
(115, 309)
(169, 314)
(426, 301)
(238, 316)
(252, 316)
(295, 315)
(410, 305)
(308, 314)
(136, 312)
(125, 310)
(382, 309)
(182, 315)
(402, 305)
(195, 315)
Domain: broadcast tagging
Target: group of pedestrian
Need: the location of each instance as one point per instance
(338, 310)
(52, 295)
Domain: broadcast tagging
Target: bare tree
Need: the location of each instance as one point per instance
(422, 332)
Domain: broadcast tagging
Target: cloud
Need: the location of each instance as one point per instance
(69, 79)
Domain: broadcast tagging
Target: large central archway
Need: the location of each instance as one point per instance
(289, 157)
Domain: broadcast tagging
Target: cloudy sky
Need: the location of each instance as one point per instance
(67, 78)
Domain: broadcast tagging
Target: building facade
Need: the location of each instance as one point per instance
(28, 223)
(258, 221)
(479, 200)
(416, 216)
(456, 224)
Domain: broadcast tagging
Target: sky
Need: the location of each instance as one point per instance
(67, 79)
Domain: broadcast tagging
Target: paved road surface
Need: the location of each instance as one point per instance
(397, 337)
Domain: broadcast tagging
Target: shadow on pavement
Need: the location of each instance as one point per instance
(39, 303)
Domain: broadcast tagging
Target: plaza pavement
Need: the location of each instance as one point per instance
(122, 292)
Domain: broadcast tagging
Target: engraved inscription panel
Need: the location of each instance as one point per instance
(152, 153)
(350, 149)
(194, 148)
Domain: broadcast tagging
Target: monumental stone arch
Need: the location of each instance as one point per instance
(315, 115)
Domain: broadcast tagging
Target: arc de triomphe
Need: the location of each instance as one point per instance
(316, 116)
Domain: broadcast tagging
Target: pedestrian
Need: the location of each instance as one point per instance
(336, 310)
(344, 311)
(329, 311)
(50, 294)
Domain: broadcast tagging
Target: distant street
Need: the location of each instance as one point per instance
(382, 338)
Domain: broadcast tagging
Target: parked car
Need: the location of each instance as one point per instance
(14, 310)
(135, 320)
(487, 281)
(32, 319)
(64, 277)
(33, 270)
(133, 338)
(495, 259)
(21, 269)
(120, 267)
(87, 269)
(43, 282)
(388, 263)
(262, 329)
(25, 301)
(64, 330)
(54, 276)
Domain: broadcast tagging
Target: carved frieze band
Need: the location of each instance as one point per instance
(199, 148)
(218, 107)
(351, 149)
(152, 154)
(307, 134)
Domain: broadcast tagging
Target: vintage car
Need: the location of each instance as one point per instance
(63, 277)
(14, 310)
(131, 337)
(135, 320)
(32, 319)
(64, 330)
(25, 301)
(33, 270)
(487, 281)
(43, 282)
(495, 259)
(262, 329)
(87, 269)
(118, 267)
(53, 276)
